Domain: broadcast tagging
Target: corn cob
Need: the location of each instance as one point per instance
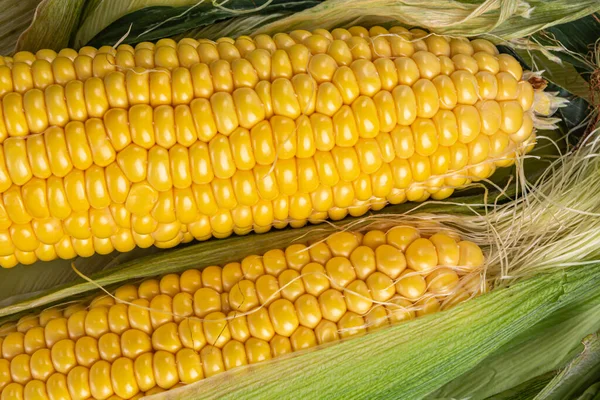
(300, 127)
(183, 328)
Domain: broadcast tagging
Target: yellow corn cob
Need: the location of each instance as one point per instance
(299, 127)
(183, 328)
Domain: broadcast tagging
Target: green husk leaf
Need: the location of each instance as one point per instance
(578, 375)
(54, 23)
(592, 393)
(499, 20)
(14, 20)
(153, 23)
(540, 350)
(577, 38)
(232, 27)
(411, 359)
(526, 390)
(564, 75)
(100, 14)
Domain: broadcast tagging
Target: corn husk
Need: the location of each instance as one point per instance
(14, 19)
(107, 21)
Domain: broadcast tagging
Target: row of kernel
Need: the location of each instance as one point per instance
(378, 42)
(294, 209)
(137, 85)
(37, 110)
(241, 220)
(98, 188)
(328, 179)
(156, 87)
(131, 133)
(114, 227)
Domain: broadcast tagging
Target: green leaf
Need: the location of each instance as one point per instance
(54, 22)
(13, 21)
(232, 27)
(153, 23)
(564, 75)
(526, 390)
(540, 350)
(578, 37)
(100, 14)
(578, 375)
(592, 393)
(499, 20)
